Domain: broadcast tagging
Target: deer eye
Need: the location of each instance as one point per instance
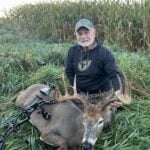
(101, 121)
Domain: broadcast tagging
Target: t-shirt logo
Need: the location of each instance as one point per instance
(84, 65)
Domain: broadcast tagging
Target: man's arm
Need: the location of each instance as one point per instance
(115, 74)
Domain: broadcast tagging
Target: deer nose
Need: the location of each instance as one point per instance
(87, 146)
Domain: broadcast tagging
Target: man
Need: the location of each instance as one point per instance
(92, 63)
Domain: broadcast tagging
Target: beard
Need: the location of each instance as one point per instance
(86, 43)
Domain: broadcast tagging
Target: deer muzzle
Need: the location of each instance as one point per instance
(87, 146)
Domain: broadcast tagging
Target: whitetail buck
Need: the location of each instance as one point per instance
(70, 125)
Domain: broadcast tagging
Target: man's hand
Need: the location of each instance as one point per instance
(116, 104)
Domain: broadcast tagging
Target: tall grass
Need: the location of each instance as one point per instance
(24, 62)
(126, 23)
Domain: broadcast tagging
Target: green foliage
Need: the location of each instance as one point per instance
(46, 74)
(14, 66)
(25, 62)
(126, 23)
(137, 68)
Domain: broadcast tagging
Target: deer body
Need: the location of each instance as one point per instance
(65, 125)
(68, 124)
(26, 97)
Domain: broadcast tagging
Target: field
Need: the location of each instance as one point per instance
(27, 60)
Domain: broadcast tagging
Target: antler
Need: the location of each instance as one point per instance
(107, 102)
(59, 97)
(126, 97)
(119, 96)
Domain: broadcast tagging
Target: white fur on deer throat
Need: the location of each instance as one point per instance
(90, 140)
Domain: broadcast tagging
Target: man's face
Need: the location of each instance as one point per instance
(85, 37)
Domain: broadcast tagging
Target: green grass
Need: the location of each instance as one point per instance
(21, 64)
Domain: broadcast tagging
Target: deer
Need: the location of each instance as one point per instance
(69, 125)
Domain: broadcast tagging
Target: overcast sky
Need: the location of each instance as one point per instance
(7, 4)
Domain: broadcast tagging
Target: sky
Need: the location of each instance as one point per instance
(5, 5)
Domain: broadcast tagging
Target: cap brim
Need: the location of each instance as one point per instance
(83, 26)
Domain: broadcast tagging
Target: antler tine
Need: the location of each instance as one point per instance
(82, 97)
(65, 87)
(128, 88)
(75, 86)
(66, 97)
(126, 97)
(106, 103)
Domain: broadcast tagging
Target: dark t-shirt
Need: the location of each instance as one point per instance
(94, 69)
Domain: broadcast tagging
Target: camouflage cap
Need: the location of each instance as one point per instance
(83, 23)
